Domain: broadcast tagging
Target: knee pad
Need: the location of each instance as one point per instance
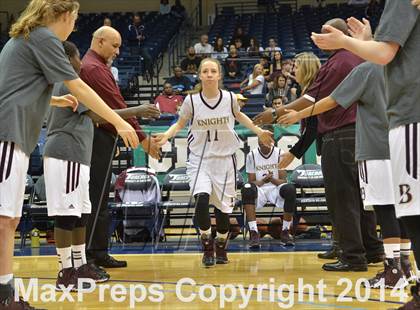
(82, 221)
(222, 221)
(66, 222)
(201, 200)
(288, 191)
(202, 214)
(249, 193)
(387, 220)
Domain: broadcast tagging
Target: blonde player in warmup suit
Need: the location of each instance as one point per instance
(211, 164)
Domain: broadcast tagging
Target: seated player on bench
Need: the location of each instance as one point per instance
(267, 184)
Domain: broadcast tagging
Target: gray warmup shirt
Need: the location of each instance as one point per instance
(70, 134)
(400, 24)
(365, 84)
(28, 71)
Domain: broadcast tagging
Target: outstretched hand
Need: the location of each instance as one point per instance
(266, 137)
(147, 111)
(285, 160)
(160, 139)
(128, 134)
(289, 118)
(265, 117)
(150, 146)
(65, 102)
(360, 29)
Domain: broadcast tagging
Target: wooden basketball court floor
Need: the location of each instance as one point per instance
(165, 279)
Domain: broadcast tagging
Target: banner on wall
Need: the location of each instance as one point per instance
(174, 153)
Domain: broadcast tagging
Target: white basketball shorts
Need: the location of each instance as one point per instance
(376, 187)
(269, 194)
(67, 187)
(404, 147)
(215, 176)
(13, 168)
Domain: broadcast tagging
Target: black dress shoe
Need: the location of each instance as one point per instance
(342, 266)
(110, 262)
(334, 253)
(380, 258)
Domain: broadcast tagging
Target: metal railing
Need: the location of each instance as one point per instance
(248, 7)
(179, 43)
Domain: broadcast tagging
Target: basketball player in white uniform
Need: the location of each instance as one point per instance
(267, 184)
(211, 165)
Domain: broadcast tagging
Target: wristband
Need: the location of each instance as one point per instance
(274, 115)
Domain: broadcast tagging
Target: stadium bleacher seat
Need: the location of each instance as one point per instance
(159, 31)
(291, 29)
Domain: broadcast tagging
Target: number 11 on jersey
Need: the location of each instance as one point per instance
(209, 136)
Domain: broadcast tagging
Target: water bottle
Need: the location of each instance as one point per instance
(35, 238)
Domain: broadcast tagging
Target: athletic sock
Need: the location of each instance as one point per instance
(79, 255)
(253, 226)
(64, 258)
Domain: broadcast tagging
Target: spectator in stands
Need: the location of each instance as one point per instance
(240, 34)
(255, 82)
(105, 45)
(136, 30)
(280, 89)
(272, 47)
(180, 83)
(277, 102)
(168, 101)
(178, 10)
(165, 7)
(114, 70)
(232, 65)
(136, 38)
(265, 63)
(254, 48)
(190, 64)
(219, 50)
(287, 69)
(107, 22)
(241, 100)
(239, 46)
(276, 65)
(203, 48)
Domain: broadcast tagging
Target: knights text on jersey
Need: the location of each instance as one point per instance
(261, 164)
